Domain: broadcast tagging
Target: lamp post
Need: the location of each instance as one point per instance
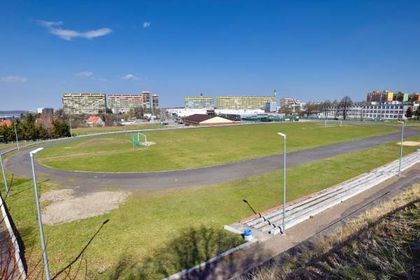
(16, 135)
(4, 175)
(71, 134)
(38, 209)
(284, 180)
(401, 146)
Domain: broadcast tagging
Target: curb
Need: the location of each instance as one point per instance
(13, 237)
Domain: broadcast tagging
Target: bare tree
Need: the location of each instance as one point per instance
(344, 106)
(311, 108)
(325, 107)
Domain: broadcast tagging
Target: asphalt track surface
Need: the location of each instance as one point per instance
(19, 164)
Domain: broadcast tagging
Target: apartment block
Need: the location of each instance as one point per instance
(387, 96)
(150, 101)
(84, 103)
(199, 102)
(123, 103)
(243, 102)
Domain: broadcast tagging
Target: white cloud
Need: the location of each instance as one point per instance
(54, 27)
(89, 75)
(96, 33)
(130, 77)
(46, 23)
(13, 79)
(85, 74)
(146, 24)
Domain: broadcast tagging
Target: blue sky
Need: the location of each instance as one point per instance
(311, 50)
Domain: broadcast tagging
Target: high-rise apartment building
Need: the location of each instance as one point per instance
(243, 102)
(199, 102)
(84, 103)
(155, 101)
(123, 103)
(150, 101)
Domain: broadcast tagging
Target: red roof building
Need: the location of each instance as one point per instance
(95, 121)
(7, 123)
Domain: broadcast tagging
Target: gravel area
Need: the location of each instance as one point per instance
(66, 207)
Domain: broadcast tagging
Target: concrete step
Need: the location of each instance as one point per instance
(303, 210)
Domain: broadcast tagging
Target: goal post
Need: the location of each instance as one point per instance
(142, 138)
(135, 140)
(139, 139)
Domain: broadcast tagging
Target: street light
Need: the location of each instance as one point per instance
(401, 146)
(71, 135)
(16, 135)
(284, 180)
(4, 175)
(38, 209)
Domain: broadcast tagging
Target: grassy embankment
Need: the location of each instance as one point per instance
(191, 148)
(375, 245)
(146, 230)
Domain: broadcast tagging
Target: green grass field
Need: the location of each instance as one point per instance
(191, 148)
(4, 146)
(91, 130)
(141, 229)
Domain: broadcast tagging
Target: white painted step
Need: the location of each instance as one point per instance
(303, 210)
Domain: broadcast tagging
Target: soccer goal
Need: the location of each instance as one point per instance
(140, 140)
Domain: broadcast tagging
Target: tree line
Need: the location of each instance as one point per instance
(27, 129)
(339, 108)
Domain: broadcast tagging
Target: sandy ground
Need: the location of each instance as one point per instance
(409, 143)
(65, 206)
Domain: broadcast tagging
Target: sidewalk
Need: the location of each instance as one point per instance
(11, 265)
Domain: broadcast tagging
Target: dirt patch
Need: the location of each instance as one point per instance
(66, 207)
(409, 143)
(57, 195)
(148, 143)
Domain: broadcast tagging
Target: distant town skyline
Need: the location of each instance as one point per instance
(306, 50)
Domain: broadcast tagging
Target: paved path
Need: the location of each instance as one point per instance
(92, 181)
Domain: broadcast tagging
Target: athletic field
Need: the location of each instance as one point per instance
(192, 148)
(181, 227)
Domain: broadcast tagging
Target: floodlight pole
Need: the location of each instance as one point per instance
(401, 147)
(284, 181)
(4, 175)
(38, 209)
